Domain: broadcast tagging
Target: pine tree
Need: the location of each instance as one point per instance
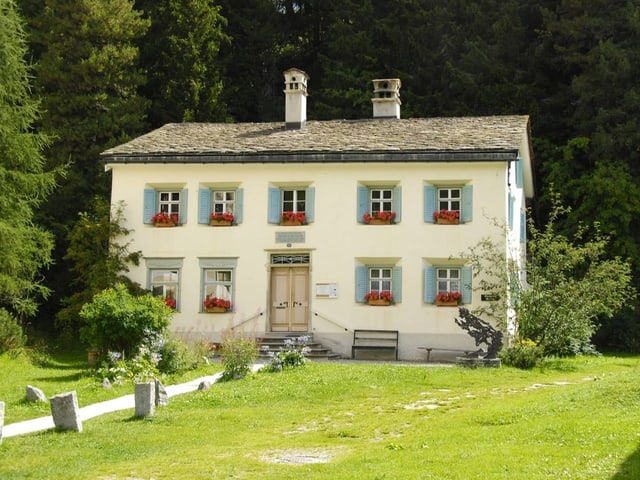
(24, 182)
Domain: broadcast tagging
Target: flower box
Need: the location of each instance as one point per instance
(448, 299)
(164, 224)
(292, 219)
(446, 221)
(290, 223)
(221, 219)
(220, 223)
(379, 303)
(446, 217)
(163, 219)
(445, 303)
(216, 310)
(379, 218)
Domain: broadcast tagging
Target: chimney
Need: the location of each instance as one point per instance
(295, 92)
(386, 98)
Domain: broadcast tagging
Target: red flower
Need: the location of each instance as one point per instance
(379, 215)
(211, 302)
(163, 217)
(450, 215)
(385, 295)
(293, 216)
(170, 302)
(229, 217)
(449, 297)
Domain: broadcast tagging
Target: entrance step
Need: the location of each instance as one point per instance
(274, 341)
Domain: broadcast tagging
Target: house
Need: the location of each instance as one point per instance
(306, 244)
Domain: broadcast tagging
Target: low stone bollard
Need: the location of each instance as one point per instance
(162, 397)
(204, 386)
(145, 395)
(1, 420)
(34, 394)
(65, 412)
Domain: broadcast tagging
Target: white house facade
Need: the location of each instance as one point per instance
(276, 276)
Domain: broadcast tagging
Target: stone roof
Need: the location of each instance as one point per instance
(334, 139)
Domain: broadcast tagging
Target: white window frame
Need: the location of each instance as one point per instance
(294, 204)
(165, 288)
(447, 200)
(171, 204)
(226, 204)
(446, 282)
(380, 199)
(218, 286)
(380, 279)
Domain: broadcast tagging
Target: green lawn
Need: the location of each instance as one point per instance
(572, 419)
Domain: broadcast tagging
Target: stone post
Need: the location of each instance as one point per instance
(65, 412)
(145, 395)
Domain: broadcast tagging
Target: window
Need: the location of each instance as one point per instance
(294, 200)
(164, 283)
(443, 279)
(169, 201)
(455, 198)
(373, 199)
(218, 279)
(378, 278)
(219, 201)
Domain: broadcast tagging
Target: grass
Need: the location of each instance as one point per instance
(573, 419)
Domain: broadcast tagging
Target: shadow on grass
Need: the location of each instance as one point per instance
(75, 377)
(630, 468)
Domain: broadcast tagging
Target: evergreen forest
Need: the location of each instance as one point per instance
(80, 76)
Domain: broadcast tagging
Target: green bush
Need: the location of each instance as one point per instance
(12, 338)
(291, 355)
(238, 354)
(177, 356)
(117, 321)
(525, 354)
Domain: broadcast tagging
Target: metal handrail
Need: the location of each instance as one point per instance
(332, 321)
(259, 314)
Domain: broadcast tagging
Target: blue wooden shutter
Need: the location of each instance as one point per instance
(396, 280)
(239, 207)
(363, 202)
(429, 284)
(429, 203)
(204, 205)
(467, 286)
(274, 205)
(310, 203)
(519, 173)
(149, 205)
(523, 226)
(184, 201)
(361, 283)
(397, 202)
(467, 204)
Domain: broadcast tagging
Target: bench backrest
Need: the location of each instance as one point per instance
(375, 336)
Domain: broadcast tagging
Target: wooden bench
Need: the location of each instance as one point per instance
(430, 349)
(375, 340)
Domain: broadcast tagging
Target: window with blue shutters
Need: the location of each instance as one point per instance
(219, 202)
(457, 199)
(444, 279)
(168, 201)
(378, 278)
(373, 200)
(292, 201)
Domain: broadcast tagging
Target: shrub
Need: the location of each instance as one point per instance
(524, 354)
(115, 320)
(238, 353)
(177, 356)
(290, 356)
(12, 338)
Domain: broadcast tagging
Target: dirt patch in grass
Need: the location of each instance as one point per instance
(298, 456)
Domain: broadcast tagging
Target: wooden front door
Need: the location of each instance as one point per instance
(289, 299)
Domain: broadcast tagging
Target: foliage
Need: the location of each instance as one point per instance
(238, 354)
(163, 217)
(291, 355)
(115, 320)
(293, 217)
(12, 339)
(176, 356)
(143, 367)
(25, 181)
(523, 354)
(450, 215)
(449, 297)
(384, 295)
(383, 216)
(211, 302)
(570, 285)
(99, 258)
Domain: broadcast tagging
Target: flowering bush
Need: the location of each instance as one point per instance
(386, 295)
(390, 216)
(170, 302)
(163, 217)
(449, 297)
(293, 216)
(218, 217)
(292, 355)
(451, 215)
(211, 302)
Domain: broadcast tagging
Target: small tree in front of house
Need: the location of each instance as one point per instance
(117, 321)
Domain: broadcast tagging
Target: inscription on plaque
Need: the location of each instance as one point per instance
(290, 237)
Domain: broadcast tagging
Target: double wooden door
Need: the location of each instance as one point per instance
(289, 298)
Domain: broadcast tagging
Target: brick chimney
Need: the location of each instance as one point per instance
(386, 98)
(295, 92)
